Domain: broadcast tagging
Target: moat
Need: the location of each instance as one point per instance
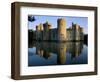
(53, 53)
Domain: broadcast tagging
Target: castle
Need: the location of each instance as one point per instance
(45, 32)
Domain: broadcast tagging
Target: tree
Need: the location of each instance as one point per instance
(31, 18)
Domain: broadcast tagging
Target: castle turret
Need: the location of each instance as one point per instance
(77, 27)
(46, 31)
(37, 32)
(81, 30)
(41, 26)
(81, 33)
(61, 29)
(77, 32)
(37, 28)
(47, 26)
(41, 31)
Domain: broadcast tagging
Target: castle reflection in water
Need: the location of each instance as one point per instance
(53, 53)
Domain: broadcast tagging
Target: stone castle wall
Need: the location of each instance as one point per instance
(45, 32)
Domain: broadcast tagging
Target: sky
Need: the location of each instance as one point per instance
(82, 21)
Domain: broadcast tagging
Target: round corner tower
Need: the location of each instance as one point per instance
(62, 29)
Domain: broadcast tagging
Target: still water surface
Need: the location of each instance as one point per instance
(52, 53)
